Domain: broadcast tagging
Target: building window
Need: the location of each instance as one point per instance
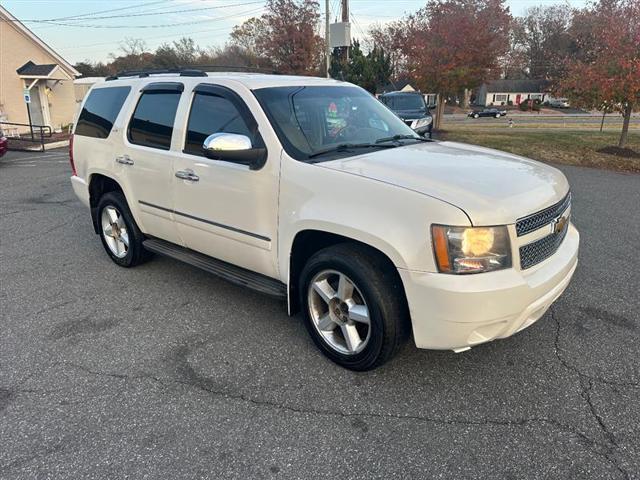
(501, 98)
(536, 96)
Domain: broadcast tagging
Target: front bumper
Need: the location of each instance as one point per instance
(424, 131)
(455, 312)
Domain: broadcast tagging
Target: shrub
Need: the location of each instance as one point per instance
(524, 106)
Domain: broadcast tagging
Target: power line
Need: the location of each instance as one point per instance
(142, 14)
(112, 10)
(155, 37)
(357, 24)
(62, 20)
(164, 25)
(165, 35)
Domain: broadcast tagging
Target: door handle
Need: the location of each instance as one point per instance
(187, 175)
(124, 160)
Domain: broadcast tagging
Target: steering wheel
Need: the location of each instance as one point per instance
(347, 129)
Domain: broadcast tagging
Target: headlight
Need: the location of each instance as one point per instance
(471, 249)
(421, 122)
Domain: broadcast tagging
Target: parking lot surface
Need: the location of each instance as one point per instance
(163, 371)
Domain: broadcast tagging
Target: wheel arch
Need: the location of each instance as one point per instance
(307, 242)
(99, 184)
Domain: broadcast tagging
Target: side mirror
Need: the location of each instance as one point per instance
(232, 147)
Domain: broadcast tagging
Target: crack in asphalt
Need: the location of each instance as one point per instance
(587, 381)
(602, 450)
(575, 369)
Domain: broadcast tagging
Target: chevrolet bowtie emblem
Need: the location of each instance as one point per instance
(558, 224)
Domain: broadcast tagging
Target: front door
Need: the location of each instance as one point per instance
(226, 210)
(35, 107)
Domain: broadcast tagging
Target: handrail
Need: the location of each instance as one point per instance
(41, 127)
(39, 139)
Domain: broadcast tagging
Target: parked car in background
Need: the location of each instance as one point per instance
(412, 110)
(310, 190)
(558, 103)
(487, 112)
(4, 143)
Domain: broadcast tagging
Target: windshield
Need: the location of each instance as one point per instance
(404, 102)
(316, 119)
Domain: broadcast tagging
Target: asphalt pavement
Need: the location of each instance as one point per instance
(164, 371)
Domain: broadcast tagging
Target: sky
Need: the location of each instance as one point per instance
(98, 26)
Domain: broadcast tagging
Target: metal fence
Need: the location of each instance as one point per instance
(34, 138)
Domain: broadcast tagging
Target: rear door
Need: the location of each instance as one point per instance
(146, 161)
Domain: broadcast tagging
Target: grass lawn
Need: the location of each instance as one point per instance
(570, 147)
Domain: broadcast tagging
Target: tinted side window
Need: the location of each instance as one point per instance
(100, 111)
(152, 122)
(212, 114)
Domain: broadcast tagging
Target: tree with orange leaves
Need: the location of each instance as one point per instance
(453, 45)
(604, 68)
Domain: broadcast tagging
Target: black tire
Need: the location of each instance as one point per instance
(136, 254)
(375, 277)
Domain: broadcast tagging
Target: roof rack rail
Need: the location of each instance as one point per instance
(183, 72)
(238, 68)
(200, 71)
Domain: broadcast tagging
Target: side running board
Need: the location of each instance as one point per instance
(232, 273)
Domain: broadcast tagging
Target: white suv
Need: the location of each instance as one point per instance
(311, 190)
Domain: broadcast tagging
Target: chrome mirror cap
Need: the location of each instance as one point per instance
(220, 142)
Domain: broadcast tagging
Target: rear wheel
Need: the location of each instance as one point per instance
(497, 115)
(354, 308)
(121, 237)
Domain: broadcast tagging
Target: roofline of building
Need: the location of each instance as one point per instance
(22, 27)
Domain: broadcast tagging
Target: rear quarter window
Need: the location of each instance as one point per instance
(100, 111)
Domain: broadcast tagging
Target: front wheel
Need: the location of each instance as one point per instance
(354, 308)
(475, 115)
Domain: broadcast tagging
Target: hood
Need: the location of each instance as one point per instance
(492, 187)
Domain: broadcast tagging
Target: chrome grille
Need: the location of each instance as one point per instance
(535, 252)
(543, 217)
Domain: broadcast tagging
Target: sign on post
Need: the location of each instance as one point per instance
(27, 95)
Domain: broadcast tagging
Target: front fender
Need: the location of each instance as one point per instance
(394, 220)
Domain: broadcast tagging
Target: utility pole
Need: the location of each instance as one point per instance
(326, 38)
(345, 19)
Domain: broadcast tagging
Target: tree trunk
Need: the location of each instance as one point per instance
(464, 98)
(437, 121)
(625, 125)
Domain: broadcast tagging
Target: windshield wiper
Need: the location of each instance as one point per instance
(395, 138)
(343, 147)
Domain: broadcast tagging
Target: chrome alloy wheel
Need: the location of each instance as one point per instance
(114, 231)
(338, 312)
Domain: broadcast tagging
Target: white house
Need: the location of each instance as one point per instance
(514, 92)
